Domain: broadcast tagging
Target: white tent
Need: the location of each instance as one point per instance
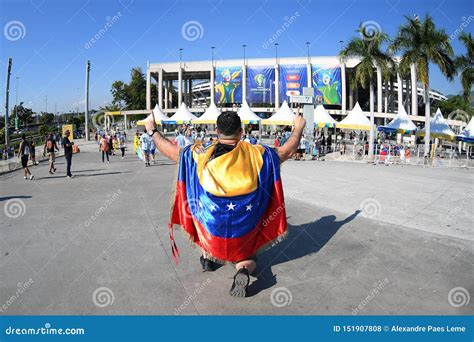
(438, 128)
(159, 117)
(246, 115)
(355, 120)
(283, 116)
(400, 123)
(209, 116)
(182, 115)
(322, 117)
(467, 134)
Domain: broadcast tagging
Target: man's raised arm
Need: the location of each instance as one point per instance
(166, 147)
(291, 145)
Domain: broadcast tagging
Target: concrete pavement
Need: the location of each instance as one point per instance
(363, 240)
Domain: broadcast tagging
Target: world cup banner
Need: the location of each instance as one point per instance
(261, 84)
(293, 78)
(327, 84)
(228, 85)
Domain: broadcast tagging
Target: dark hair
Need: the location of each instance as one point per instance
(23, 136)
(229, 123)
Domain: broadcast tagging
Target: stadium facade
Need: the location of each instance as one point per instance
(266, 82)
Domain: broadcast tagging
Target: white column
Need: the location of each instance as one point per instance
(160, 88)
(244, 83)
(308, 72)
(399, 91)
(166, 90)
(148, 87)
(277, 86)
(379, 89)
(180, 86)
(343, 86)
(212, 80)
(190, 92)
(414, 91)
(125, 121)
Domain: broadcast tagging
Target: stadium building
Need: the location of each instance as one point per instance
(266, 82)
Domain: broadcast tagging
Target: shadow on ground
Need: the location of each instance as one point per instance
(302, 240)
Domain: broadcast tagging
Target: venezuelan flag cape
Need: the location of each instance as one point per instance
(231, 206)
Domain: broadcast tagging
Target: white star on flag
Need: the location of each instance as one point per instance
(213, 207)
(230, 206)
(249, 207)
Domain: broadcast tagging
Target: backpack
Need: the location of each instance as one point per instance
(105, 145)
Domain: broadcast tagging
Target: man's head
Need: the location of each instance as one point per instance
(229, 125)
(23, 136)
(67, 133)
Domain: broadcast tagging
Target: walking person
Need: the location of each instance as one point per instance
(24, 155)
(145, 145)
(122, 144)
(50, 147)
(33, 152)
(67, 145)
(104, 148)
(237, 194)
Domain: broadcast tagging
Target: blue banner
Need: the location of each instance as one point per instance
(228, 85)
(293, 78)
(228, 328)
(327, 84)
(261, 84)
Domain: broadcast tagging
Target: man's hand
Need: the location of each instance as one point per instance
(290, 146)
(150, 123)
(299, 123)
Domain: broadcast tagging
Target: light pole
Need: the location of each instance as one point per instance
(16, 103)
(340, 42)
(7, 95)
(86, 102)
(276, 53)
(307, 48)
(212, 55)
(244, 46)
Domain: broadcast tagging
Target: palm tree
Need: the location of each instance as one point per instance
(368, 48)
(465, 65)
(421, 43)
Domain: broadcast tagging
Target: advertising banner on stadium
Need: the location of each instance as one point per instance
(228, 85)
(293, 78)
(327, 84)
(260, 84)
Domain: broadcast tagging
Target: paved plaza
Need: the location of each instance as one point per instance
(363, 240)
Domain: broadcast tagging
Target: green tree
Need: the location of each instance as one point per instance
(465, 64)
(422, 43)
(129, 96)
(47, 118)
(368, 47)
(456, 103)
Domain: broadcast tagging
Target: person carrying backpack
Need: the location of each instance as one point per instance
(50, 147)
(104, 147)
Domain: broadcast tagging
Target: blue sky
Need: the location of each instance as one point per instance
(49, 49)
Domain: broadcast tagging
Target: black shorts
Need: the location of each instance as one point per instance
(24, 160)
(301, 150)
